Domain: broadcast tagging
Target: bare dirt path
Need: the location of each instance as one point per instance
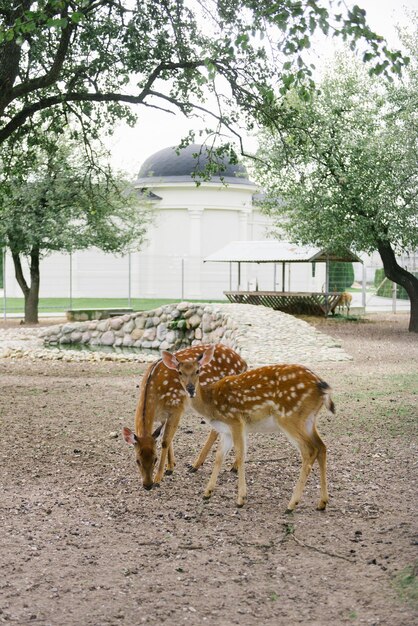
(82, 544)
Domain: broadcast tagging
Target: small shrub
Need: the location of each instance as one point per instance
(384, 289)
(341, 275)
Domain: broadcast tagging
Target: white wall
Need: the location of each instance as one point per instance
(190, 223)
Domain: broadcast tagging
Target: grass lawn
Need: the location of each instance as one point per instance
(49, 305)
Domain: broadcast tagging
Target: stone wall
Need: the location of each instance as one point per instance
(169, 327)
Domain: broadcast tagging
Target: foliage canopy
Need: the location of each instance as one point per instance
(89, 60)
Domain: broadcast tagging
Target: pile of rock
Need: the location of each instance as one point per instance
(169, 327)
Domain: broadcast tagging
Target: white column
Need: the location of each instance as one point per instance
(243, 236)
(193, 265)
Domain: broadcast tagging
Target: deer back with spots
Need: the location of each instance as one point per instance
(163, 400)
(268, 399)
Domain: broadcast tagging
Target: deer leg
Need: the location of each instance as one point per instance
(240, 451)
(322, 462)
(224, 446)
(309, 453)
(201, 457)
(169, 432)
(171, 460)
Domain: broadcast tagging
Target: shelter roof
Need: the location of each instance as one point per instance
(273, 251)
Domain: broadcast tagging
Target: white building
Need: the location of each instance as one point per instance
(191, 222)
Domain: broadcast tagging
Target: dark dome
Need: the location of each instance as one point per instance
(178, 165)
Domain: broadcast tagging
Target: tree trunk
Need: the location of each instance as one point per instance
(31, 293)
(402, 277)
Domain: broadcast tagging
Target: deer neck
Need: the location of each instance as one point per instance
(202, 402)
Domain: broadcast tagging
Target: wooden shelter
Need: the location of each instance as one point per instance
(283, 253)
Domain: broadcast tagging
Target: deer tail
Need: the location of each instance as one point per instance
(325, 391)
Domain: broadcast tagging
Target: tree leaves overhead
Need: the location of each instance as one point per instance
(90, 59)
(60, 200)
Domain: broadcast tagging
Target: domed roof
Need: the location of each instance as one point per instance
(178, 165)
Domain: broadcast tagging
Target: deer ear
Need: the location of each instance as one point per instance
(129, 436)
(169, 360)
(157, 431)
(207, 356)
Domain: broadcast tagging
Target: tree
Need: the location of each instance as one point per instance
(91, 59)
(57, 199)
(346, 168)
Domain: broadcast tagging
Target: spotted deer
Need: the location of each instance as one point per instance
(163, 399)
(344, 302)
(267, 399)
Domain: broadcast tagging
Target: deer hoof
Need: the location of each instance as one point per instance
(192, 469)
(289, 511)
(168, 472)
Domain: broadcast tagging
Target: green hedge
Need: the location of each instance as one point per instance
(341, 275)
(385, 290)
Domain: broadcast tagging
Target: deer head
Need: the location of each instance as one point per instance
(145, 452)
(188, 371)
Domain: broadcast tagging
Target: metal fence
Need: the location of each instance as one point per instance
(75, 281)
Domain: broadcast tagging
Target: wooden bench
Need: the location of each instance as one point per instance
(302, 303)
(82, 315)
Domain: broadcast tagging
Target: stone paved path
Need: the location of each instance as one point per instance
(266, 336)
(274, 337)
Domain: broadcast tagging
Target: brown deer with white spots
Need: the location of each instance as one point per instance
(267, 399)
(163, 399)
(344, 302)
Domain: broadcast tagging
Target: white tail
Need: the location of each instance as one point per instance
(267, 399)
(163, 399)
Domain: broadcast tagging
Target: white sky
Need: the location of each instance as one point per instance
(156, 130)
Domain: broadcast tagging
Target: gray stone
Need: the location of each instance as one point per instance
(174, 314)
(183, 306)
(140, 322)
(155, 344)
(129, 326)
(194, 321)
(164, 345)
(127, 341)
(149, 334)
(136, 334)
(76, 336)
(69, 328)
(149, 323)
(103, 326)
(161, 331)
(198, 333)
(206, 322)
(146, 344)
(65, 339)
(116, 323)
(108, 338)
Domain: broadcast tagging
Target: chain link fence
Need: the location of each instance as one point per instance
(92, 278)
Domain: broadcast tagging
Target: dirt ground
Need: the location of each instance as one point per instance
(81, 543)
